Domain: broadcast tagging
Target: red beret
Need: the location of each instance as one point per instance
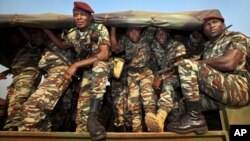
(83, 6)
(213, 17)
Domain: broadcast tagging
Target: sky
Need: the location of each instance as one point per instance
(235, 12)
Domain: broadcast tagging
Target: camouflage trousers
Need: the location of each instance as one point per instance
(120, 99)
(40, 104)
(93, 85)
(20, 90)
(140, 91)
(169, 95)
(197, 78)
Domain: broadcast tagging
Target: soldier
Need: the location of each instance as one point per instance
(119, 92)
(221, 76)
(26, 76)
(140, 76)
(174, 51)
(91, 43)
(178, 36)
(37, 109)
(195, 45)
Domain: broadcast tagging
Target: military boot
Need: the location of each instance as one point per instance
(96, 130)
(155, 123)
(192, 120)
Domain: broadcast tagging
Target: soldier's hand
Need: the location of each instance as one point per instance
(157, 83)
(3, 75)
(70, 72)
(168, 74)
(176, 63)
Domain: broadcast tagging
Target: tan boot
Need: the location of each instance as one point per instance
(155, 123)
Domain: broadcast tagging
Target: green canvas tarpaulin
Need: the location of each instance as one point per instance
(46, 20)
(191, 20)
(188, 21)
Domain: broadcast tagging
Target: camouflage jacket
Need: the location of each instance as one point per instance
(228, 40)
(138, 54)
(54, 56)
(194, 46)
(173, 49)
(27, 56)
(95, 35)
(160, 57)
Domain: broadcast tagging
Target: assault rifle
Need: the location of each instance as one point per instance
(172, 68)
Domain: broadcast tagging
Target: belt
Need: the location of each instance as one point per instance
(137, 69)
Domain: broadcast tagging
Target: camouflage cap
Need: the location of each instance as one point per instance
(83, 7)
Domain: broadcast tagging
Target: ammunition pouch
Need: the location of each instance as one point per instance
(118, 64)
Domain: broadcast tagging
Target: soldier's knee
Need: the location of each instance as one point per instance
(188, 64)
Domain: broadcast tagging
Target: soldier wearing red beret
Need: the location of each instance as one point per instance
(94, 38)
(81, 6)
(219, 80)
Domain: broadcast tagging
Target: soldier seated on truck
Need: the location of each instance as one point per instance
(220, 78)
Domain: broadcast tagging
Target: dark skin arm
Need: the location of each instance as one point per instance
(59, 43)
(103, 55)
(4, 74)
(227, 62)
(25, 34)
(115, 46)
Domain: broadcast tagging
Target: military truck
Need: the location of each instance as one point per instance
(218, 121)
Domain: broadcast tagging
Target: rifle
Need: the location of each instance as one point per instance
(171, 68)
(167, 72)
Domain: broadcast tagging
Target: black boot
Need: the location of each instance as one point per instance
(96, 130)
(192, 120)
(121, 128)
(177, 112)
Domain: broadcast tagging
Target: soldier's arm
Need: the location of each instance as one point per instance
(232, 57)
(226, 62)
(103, 55)
(58, 42)
(115, 46)
(25, 34)
(4, 74)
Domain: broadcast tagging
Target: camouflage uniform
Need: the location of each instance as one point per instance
(94, 79)
(140, 76)
(169, 94)
(229, 88)
(26, 77)
(194, 47)
(43, 100)
(119, 93)
(159, 59)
